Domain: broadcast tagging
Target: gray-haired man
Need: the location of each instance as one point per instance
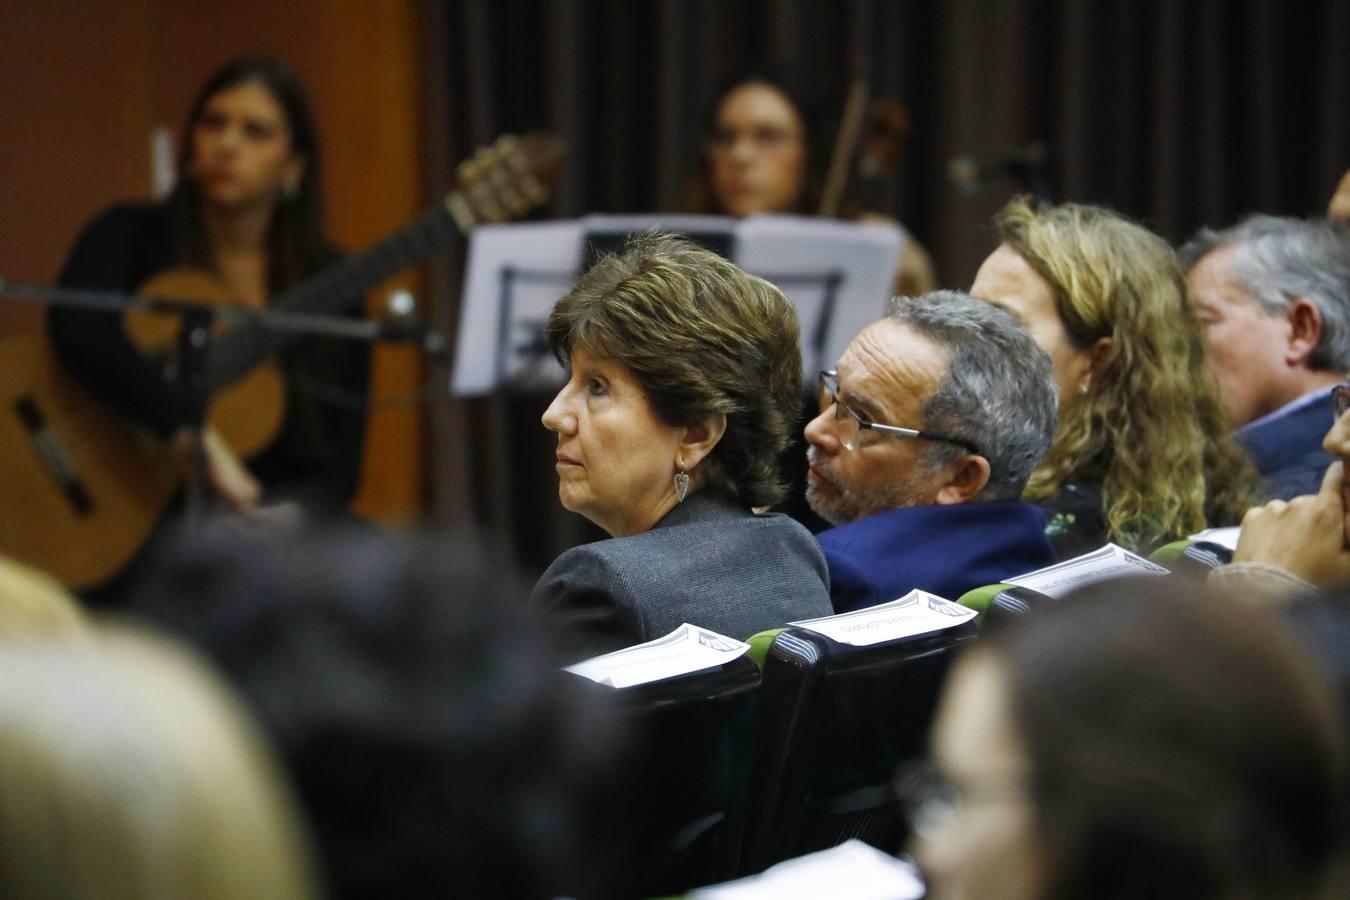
(1273, 296)
(929, 428)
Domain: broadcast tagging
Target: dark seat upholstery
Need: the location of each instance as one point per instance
(685, 775)
(835, 721)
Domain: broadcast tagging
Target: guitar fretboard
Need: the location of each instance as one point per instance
(234, 353)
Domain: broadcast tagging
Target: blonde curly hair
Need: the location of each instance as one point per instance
(1147, 426)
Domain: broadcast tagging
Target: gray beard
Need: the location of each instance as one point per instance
(839, 504)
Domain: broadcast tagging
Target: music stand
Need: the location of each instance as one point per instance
(838, 275)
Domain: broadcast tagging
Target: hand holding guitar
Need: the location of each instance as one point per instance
(217, 467)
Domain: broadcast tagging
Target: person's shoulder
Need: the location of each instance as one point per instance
(782, 524)
(130, 219)
(120, 246)
(596, 564)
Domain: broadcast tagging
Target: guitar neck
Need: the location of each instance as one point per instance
(234, 353)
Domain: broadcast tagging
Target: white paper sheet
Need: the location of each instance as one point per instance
(1224, 537)
(1110, 561)
(516, 273)
(804, 256)
(686, 649)
(492, 335)
(851, 871)
(915, 613)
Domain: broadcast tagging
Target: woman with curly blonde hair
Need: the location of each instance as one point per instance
(1142, 455)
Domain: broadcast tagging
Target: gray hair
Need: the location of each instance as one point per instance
(1278, 259)
(999, 391)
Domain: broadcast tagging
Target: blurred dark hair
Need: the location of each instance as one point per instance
(295, 242)
(1180, 746)
(816, 134)
(434, 744)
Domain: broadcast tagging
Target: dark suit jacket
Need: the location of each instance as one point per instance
(945, 550)
(708, 562)
(1287, 450)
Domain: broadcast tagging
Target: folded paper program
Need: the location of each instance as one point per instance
(686, 649)
(1110, 561)
(916, 613)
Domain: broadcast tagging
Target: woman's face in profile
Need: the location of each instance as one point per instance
(982, 840)
(616, 460)
(757, 152)
(1009, 282)
(241, 148)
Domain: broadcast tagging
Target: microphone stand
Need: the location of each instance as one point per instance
(188, 373)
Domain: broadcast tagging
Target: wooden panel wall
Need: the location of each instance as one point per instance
(96, 77)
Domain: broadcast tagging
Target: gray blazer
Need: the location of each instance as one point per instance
(708, 562)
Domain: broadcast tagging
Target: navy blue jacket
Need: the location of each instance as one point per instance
(1288, 452)
(945, 550)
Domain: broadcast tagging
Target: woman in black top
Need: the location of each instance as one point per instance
(246, 208)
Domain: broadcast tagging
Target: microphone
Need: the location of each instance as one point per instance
(400, 324)
(1025, 165)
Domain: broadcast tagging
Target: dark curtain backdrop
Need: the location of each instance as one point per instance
(1177, 113)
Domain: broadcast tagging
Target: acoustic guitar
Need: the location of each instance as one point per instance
(81, 486)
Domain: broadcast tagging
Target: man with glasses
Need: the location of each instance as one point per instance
(930, 426)
(1273, 297)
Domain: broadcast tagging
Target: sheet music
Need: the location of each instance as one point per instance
(507, 314)
(837, 274)
(851, 871)
(1110, 561)
(686, 649)
(916, 613)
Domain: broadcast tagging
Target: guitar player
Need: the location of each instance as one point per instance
(246, 210)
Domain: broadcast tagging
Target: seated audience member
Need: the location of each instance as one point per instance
(1142, 455)
(929, 429)
(1273, 296)
(1132, 741)
(433, 743)
(764, 152)
(128, 770)
(1292, 557)
(683, 386)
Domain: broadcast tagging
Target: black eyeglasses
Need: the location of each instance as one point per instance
(853, 422)
(1340, 400)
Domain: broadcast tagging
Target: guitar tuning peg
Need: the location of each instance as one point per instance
(485, 202)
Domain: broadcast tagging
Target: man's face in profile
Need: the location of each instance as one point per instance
(885, 375)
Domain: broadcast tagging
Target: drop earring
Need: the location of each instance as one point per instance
(681, 485)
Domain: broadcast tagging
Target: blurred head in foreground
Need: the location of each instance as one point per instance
(431, 739)
(128, 770)
(1132, 741)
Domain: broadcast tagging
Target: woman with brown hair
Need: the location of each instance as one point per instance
(764, 151)
(1142, 455)
(684, 378)
(246, 209)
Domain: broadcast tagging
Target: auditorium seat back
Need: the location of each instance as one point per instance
(685, 776)
(835, 721)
